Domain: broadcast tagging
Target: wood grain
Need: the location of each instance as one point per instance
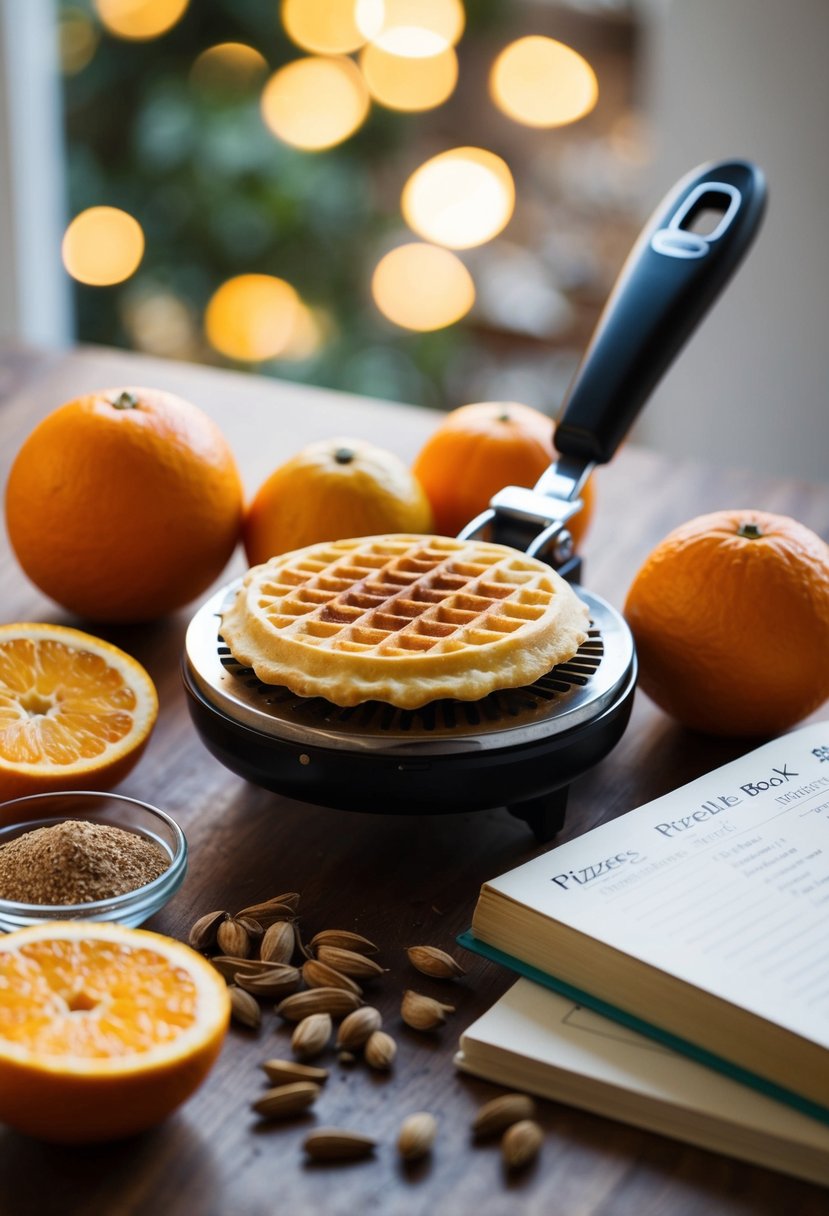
(398, 880)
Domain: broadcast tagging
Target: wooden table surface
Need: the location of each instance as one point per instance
(399, 880)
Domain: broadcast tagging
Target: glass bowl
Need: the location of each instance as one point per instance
(132, 908)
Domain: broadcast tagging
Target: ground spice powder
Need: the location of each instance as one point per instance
(75, 862)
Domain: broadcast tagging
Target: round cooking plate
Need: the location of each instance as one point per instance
(571, 694)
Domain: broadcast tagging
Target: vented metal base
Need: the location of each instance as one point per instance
(518, 748)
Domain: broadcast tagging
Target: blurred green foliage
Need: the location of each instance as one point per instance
(218, 195)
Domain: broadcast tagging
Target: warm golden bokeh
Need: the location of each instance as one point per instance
(328, 27)
(78, 40)
(228, 66)
(315, 103)
(306, 337)
(140, 19)
(411, 27)
(459, 198)
(543, 83)
(407, 83)
(251, 317)
(422, 287)
(102, 246)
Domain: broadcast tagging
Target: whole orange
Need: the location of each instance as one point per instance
(333, 490)
(730, 614)
(478, 449)
(124, 505)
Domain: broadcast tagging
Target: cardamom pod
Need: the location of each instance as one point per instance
(501, 1112)
(417, 1135)
(337, 1144)
(278, 980)
(230, 965)
(252, 927)
(423, 1012)
(278, 942)
(244, 1008)
(356, 1027)
(233, 938)
(520, 1143)
(203, 934)
(335, 1001)
(434, 962)
(286, 1100)
(270, 911)
(344, 940)
(349, 962)
(311, 1035)
(320, 975)
(283, 1072)
(380, 1050)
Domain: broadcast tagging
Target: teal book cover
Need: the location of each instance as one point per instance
(701, 1055)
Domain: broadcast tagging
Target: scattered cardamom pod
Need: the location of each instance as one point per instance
(349, 962)
(252, 927)
(320, 975)
(203, 934)
(335, 1001)
(501, 1112)
(520, 1143)
(356, 1027)
(244, 1008)
(344, 940)
(278, 942)
(337, 1144)
(417, 1135)
(286, 1100)
(311, 1035)
(279, 980)
(233, 938)
(347, 1059)
(380, 1050)
(423, 1012)
(270, 911)
(434, 962)
(230, 965)
(283, 1072)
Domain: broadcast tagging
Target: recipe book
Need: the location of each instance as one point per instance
(700, 919)
(536, 1041)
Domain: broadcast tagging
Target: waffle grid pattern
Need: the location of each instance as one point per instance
(395, 597)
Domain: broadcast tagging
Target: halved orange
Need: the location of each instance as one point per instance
(75, 711)
(104, 1030)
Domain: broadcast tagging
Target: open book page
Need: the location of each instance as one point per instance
(723, 883)
(578, 1056)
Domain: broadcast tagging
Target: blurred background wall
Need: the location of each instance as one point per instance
(269, 167)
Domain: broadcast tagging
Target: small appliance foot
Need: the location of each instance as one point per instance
(544, 816)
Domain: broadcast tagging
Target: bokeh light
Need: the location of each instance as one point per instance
(422, 287)
(315, 103)
(251, 317)
(412, 28)
(307, 335)
(543, 83)
(228, 67)
(102, 246)
(140, 19)
(402, 82)
(460, 198)
(161, 323)
(78, 40)
(328, 27)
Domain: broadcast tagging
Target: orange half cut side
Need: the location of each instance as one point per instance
(74, 710)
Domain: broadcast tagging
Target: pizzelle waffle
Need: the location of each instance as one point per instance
(403, 619)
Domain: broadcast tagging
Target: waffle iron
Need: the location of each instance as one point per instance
(519, 748)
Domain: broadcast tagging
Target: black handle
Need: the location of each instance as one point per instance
(672, 275)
